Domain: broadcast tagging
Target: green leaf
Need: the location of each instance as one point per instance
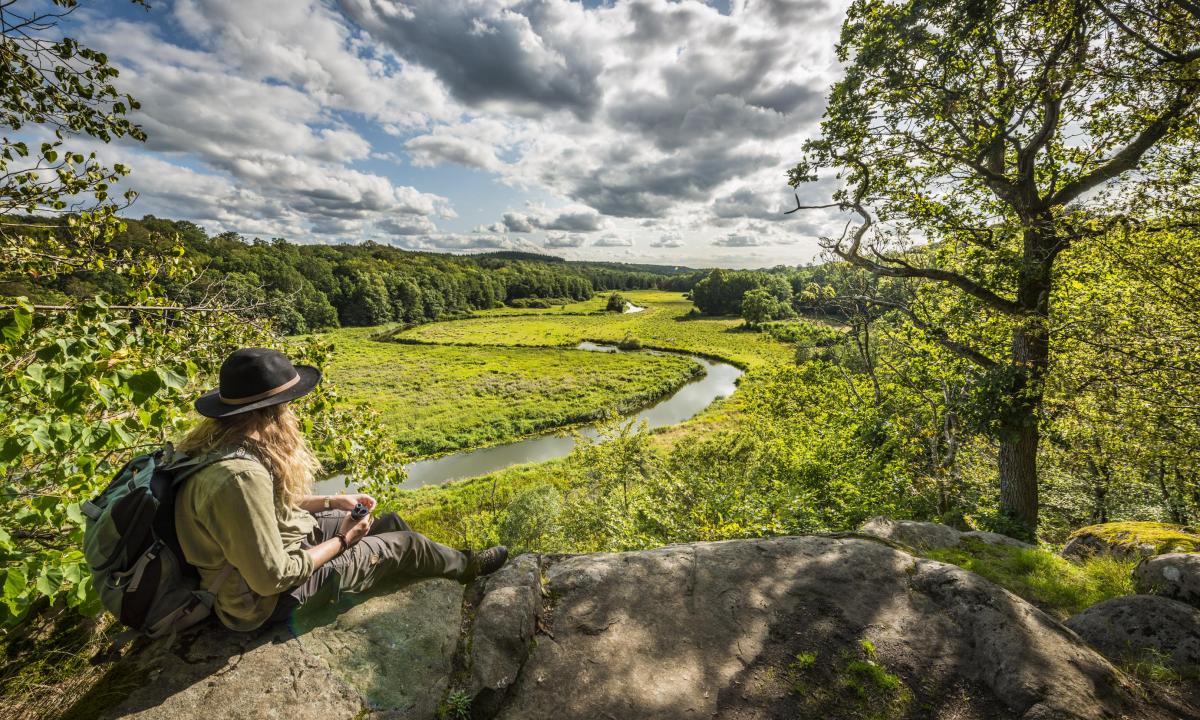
(144, 385)
(17, 322)
(16, 583)
(41, 439)
(75, 572)
(85, 597)
(75, 514)
(49, 580)
(12, 449)
(123, 434)
(35, 373)
(172, 379)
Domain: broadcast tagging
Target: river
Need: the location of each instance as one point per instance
(719, 380)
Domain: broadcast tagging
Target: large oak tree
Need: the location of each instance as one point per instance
(1004, 131)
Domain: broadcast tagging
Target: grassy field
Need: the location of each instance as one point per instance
(595, 305)
(442, 398)
(665, 323)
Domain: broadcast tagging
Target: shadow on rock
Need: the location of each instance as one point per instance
(807, 627)
(388, 651)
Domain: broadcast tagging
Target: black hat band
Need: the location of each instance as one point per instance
(262, 395)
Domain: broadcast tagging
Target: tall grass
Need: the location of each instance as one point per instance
(1059, 587)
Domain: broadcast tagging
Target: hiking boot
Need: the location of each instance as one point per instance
(484, 562)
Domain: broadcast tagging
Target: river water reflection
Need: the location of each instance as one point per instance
(719, 380)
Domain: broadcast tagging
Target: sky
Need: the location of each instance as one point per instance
(633, 131)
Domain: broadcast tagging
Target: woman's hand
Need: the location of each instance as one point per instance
(347, 502)
(354, 530)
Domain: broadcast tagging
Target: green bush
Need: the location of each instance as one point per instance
(531, 522)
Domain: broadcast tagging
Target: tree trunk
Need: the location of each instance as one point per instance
(1174, 504)
(1020, 434)
(1018, 476)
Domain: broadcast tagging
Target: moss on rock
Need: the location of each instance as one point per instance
(1131, 540)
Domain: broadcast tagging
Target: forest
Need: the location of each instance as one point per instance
(1003, 335)
(302, 288)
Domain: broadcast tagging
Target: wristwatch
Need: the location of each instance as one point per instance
(326, 502)
(345, 542)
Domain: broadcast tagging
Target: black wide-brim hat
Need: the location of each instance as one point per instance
(253, 378)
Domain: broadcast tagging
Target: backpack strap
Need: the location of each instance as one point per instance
(183, 467)
(220, 579)
(90, 510)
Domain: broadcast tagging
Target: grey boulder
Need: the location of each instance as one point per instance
(392, 651)
(502, 631)
(1135, 627)
(799, 627)
(931, 536)
(1174, 575)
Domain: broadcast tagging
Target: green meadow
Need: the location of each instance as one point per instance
(595, 304)
(439, 398)
(667, 322)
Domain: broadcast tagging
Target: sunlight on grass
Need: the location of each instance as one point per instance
(1058, 586)
(666, 323)
(442, 398)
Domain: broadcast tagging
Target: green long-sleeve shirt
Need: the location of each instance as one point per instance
(227, 512)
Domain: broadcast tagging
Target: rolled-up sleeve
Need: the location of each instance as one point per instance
(243, 522)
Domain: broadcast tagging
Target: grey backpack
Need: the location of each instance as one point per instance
(130, 545)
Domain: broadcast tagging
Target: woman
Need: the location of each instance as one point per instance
(247, 523)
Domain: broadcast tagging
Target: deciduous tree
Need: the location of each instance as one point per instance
(1004, 132)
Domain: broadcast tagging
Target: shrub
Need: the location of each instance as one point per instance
(531, 520)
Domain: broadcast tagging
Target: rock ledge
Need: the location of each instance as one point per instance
(785, 627)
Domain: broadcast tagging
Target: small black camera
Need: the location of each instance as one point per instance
(360, 511)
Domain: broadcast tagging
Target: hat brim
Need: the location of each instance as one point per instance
(210, 405)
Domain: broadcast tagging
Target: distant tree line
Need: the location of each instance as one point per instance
(775, 294)
(303, 288)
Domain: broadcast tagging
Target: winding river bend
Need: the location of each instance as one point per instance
(718, 381)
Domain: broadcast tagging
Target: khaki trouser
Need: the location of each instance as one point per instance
(390, 551)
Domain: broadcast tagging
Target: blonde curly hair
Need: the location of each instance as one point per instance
(271, 434)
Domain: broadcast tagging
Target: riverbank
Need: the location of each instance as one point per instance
(715, 381)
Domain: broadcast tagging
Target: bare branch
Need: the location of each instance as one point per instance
(840, 206)
(895, 267)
